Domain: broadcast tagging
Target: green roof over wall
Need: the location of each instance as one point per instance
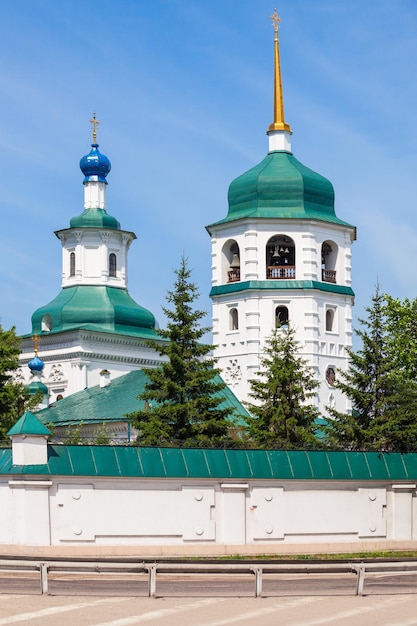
(281, 187)
(112, 403)
(120, 461)
(96, 308)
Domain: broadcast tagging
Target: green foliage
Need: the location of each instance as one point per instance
(74, 436)
(401, 326)
(283, 417)
(102, 435)
(378, 383)
(182, 396)
(14, 397)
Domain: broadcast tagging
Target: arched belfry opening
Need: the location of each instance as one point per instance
(328, 261)
(231, 261)
(280, 257)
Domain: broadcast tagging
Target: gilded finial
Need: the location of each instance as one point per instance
(36, 342)
(279, 120)
(275, 18)
(94, 122)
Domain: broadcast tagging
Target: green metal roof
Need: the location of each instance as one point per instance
(112, 403)
(96, 308)
(95, 218)
(273, 285)
(281, 187)
(120, 461)
(28, 424)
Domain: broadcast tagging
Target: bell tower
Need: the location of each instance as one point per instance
(281, 256)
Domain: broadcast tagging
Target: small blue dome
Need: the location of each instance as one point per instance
(36, 364)
(94, 165)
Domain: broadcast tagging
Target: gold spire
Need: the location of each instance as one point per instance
(94, 121)
(278, 123)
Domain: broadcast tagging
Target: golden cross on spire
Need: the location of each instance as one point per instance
(275, 18)
(36, 341)
(94, 121)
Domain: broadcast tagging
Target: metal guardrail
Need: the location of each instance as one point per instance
(164, 567)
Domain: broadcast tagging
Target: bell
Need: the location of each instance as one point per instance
(276, 254)
(235, 261)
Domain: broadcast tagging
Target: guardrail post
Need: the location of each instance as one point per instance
(258, 581)
(43, 568)
(152, 580)
(360, 580)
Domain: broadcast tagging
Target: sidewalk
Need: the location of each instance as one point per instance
(197, 550)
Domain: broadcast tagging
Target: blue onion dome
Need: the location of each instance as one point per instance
(36, 365)
(94, 165)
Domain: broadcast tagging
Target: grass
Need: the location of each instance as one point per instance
(340, 556)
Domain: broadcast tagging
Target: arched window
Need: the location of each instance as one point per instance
(331, 376)
(281, 317)
(46, 324)
(329, 319)
(72, 264)
(233, 319)
(112, 265)
(280, 258)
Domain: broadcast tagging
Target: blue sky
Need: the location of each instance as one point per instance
(183, 90)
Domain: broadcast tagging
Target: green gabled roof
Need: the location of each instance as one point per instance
(273, 285)
(281, 187)
(96, 308)
(28, 424)
(112, 403)
(121, 461)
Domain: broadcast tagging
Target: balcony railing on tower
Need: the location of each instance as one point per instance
(328, 276)
(233, 275)
(280, 272)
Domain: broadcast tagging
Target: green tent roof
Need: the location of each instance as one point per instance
(28, 424)
(281, 187)
(96, 308)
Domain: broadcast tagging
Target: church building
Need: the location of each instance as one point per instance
(282, 256)
(93, 331)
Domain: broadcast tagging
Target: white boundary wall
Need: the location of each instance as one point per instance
(65, 511)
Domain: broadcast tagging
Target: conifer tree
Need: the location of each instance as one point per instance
(282, 414)
(183, 395)
(384, 401)
(14, 398)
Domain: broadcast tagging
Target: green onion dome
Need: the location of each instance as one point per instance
(281, 187)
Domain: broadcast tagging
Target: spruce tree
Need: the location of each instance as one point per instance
(282, 414)
(14, 398)
(384, 402)
(183, 395)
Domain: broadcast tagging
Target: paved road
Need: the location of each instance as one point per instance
(387, 610)
(209, 601)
